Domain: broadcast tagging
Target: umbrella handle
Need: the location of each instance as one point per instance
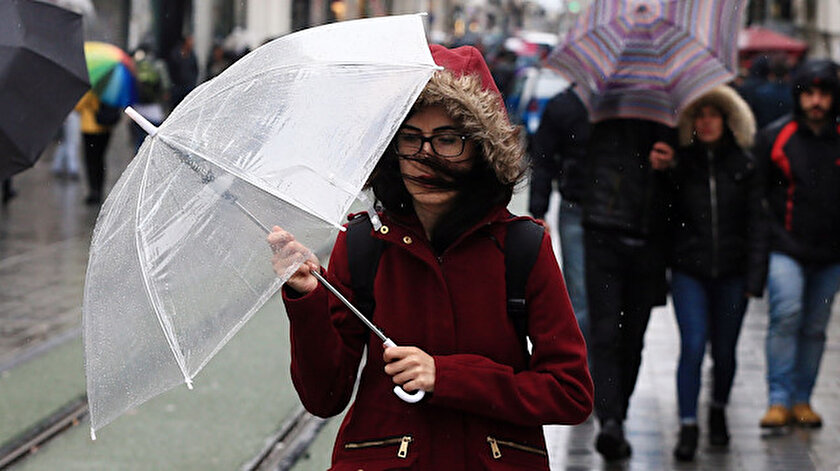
(401, 393)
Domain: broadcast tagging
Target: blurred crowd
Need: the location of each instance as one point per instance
(738, 201)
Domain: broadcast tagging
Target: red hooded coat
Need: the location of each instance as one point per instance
(490, 401)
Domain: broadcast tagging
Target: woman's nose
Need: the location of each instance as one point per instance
(427, 148)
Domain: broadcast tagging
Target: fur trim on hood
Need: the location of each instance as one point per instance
(469, 96)
(737, 114)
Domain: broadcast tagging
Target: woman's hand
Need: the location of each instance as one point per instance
(661, 156)
(411, 368)
(287, 252)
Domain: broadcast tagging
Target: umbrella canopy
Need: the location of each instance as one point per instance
(647, 59)
(42, 76)
(287, 135)
(111, 74)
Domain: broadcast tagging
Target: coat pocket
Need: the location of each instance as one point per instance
(507, 454)
(390, 453)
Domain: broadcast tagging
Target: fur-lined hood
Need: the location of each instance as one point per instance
(738, 116)
(466, 90)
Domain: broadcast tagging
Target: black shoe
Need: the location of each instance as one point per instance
(718, 431)
(611, 443)
(687, 443)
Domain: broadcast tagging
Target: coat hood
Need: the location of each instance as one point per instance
(819, 73)
(467, 91)
(738, 116)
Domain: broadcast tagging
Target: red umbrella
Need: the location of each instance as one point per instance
(758, 39)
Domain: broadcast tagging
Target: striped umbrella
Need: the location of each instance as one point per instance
(647, 59)
(111, 73)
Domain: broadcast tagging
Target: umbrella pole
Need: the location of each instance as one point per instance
(409, 397)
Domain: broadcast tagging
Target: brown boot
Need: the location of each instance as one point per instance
(804, 416)
(777, 416)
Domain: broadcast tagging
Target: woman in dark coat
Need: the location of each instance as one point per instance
(718, 256)
(439, 291)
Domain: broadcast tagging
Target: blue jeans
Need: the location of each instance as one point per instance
(800, 308)
(707, 310)
(571, 247)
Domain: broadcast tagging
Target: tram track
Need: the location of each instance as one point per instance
(32, 439)
(280, 452)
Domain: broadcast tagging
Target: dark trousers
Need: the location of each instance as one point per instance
(95, 146)
(625, 278)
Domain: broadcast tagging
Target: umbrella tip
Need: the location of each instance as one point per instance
(189, 383)
(144, 123)
(92, 434)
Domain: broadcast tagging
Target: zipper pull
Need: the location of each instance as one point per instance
(403, 451)
(494, 448)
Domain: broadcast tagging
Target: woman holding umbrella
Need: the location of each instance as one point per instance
(718, 257)
(443, 184)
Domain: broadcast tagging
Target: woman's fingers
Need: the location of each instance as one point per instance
(288, 253)
(411, 368)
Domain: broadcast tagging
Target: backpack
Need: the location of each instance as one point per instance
(149, 81)
(522, 246)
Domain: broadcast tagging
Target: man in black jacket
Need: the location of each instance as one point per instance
(802, 156)
(558, 154)
(624, 210)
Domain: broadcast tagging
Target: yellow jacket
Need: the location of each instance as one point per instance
(87, 108)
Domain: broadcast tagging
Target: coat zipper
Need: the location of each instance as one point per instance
(714, 211)
(403, 442)
(495, 447)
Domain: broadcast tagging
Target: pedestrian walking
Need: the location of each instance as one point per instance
(96, 133)
(66, 157)
(772, 99)
(183, 70)
(559, 154)
(718, 251)
(153, 86)
(803, 188)
(443, 184)
(624, 206)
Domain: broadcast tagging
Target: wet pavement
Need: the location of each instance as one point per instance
(244, 394)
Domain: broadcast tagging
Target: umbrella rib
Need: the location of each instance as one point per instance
(164, 322)
(180, 147)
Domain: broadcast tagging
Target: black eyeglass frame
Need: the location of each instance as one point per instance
(430, 140)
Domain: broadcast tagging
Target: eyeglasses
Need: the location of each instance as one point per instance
(443, 145)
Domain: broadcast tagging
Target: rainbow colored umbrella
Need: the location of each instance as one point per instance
(111, 73)
(648, 59)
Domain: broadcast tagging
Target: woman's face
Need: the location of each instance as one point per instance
(708, 124)
(443, 139)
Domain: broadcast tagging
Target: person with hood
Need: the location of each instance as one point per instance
(802, 157)
(718, 251)
(439, 290)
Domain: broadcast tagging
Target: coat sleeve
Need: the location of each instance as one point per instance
(544, 166)
(327, 341)
(758, 251)
(555, 388)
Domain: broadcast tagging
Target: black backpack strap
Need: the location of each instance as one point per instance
(522, 246)
(363, 252)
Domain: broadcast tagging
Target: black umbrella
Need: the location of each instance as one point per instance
(42, 76)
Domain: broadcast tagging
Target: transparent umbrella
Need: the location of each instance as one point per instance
(287, 135)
